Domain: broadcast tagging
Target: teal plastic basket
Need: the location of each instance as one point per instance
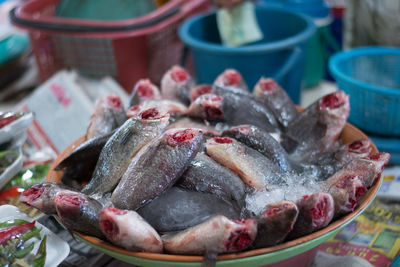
(371, 76)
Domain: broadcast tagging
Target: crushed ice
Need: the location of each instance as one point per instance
(296, 186)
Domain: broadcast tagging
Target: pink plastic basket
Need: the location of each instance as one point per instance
(128, 50)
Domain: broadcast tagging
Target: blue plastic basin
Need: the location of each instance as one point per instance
(371, 76)
(279, 55)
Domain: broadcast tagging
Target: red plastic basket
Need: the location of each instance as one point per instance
(128, 50)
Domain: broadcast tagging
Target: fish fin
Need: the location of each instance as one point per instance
(209, 259)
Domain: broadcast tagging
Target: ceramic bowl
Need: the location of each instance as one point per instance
(288, 253)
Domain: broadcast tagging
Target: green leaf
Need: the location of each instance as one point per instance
(41, 254)
(25, 251)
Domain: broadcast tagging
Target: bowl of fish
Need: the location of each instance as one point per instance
(211, 173)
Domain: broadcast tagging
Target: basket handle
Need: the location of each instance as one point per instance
(84, 28)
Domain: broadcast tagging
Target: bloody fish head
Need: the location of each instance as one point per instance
(133, 111)
(241, 238)
(380, 157)
(355, 190)
(220, 140)
(212, 106)
(107, 223)
(321, 213)
(182, 135)
(275, 209)
(145, 89)
(242, 129)
(268, 85)
(179, 74)
(380, 160)
(360, 146)
(114, 102)
(152, 114)
(32, 196)
(231, 77)
(333, 100)
(199, 90)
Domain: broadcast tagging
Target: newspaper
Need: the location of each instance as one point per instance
(62, 107)
(373, 236)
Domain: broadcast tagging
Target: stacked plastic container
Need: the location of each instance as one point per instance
(128, 50)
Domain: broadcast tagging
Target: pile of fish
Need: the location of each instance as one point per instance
(196, 169)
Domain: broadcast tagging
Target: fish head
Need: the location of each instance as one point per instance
(153, 115)
(240, 131)
(199, 90)
(212, 106)
(361, 146)
(215, 141)
(33, 195)
(179, 74)
(114, 102)
(355, 190)
(265, 86)
(145, 90)
(379, 161)
(133, 110)
(109, 222)
(280, 209)
(241, 235)
(230, 77)
(320, 208)
(183, 136)
(336, 104)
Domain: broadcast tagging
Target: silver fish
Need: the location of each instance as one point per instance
(122, 147)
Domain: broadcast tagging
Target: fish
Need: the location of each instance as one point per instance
(315, 212)
(144, 90)
(41, 196)
(157, 167)
(108, 115)
(178, 209)
(132, 111)
(208, 107)
(241, 107)
(346, 192)
(318, 126)
(176, 84)
(275, 223)
(165, 105)
(351, 182)
(368, 168)
(78, 212)
(218, 234)
(127, 229)
(328, 163)
(186, 122)
(122, 146)
(78, 166)
(199, 90)
(253, 168)
(276, 99)
(231, 77)
(206, 175)
(263, 142)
